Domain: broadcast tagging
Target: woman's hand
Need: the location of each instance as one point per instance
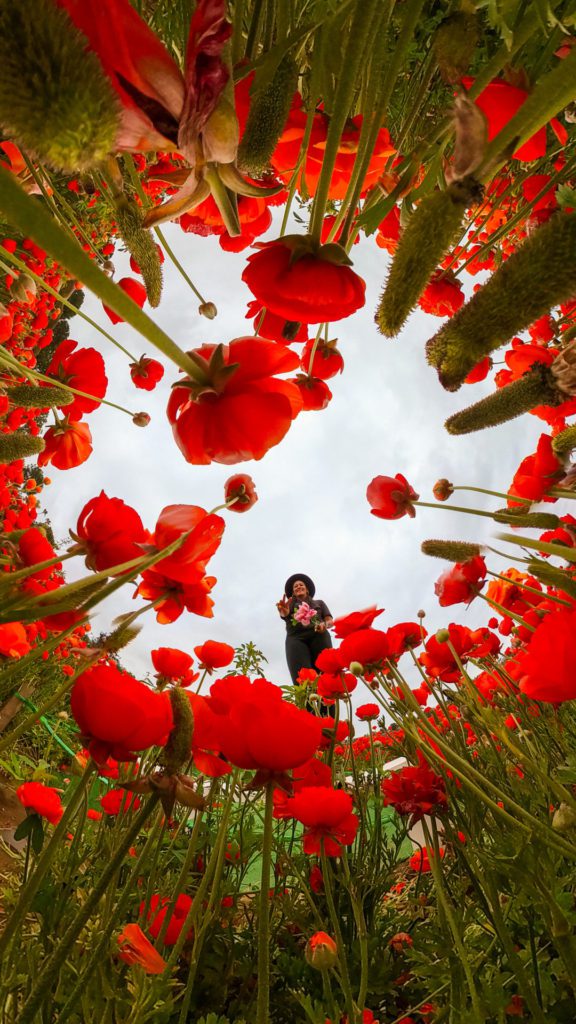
(283, 606)
(320, 627)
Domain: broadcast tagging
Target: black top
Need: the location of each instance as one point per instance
(305, 631)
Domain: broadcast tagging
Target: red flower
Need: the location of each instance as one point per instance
(404, 636)
(118, 714)
(83, 370)
(170, 662)
(327, 361)
(438, 661)
(500, 101)
(243, 489)
(146, 373)
(316, 395)
(308, 287)
(368, 712)
(415, 791)
(332, 686)
(276, 328)
(110, 531)
(536, 473)
(548, 663)
(389, 231)
(213, 654)
(261, 731)
(119, 801)
(135, 948)
(420, 861)
(391, 497)
(356, 620)
(242, 410)
(157, 911)
(367, 646)
(13, 640)
(202, 532)
(327, 817)
(42, 800)
(33, 548)
(461, 583)
(443, 296)
(321, 951)
(135, 290)
(66, 446)
(480, 371)
(194, 597)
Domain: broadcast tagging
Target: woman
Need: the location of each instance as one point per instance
(304, 641)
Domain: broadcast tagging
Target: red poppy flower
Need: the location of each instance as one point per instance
(327, 361)
(203, 533)
(415, 791)
(389, 231)
(420, 861)
(119, 801)
(565, 534)
(443, 296)
(242, 410)
(437, 658)
(499, 102)
(170, 662)
(461, 582)
(157, 911)
(316, 395)
(119, 714)
(175, 597)
(536, 473)
(326, 814)
(135, 290)
(275, 328)
(548, 663)
(391, 497)
(42, 800)
(66, 446)
(404, 636)
(146, 373)
(368, 712)
(243, 489)
(330, 660)
(82, 369)
(135, 948)
(367, 646)
(213, 654)
(480, 371)
(110, 531)
(13, 640)
(33, 548)
(356, 620)
(307, 285)
(330, 686)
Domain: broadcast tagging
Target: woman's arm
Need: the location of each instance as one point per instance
(283, 606)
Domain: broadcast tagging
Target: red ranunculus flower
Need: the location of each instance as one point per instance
(82, 369)
(243, 489)
(188, 564)
(316, 395)
(367, 646)
(213, 654)
(548, 663)
(499, 102)
(480, 371)
(118, 714)
(294, 280)
(536, 473)
(135, 948)
(135, 290)
(330, 686)
(242, 410)
(110, 531)
(119, 801)
(159, 906)
(33, 548)
(420, 861)
(275, 328)
(146, 373)
(415, 791)
(13, 640)
(443, 296)
(327, 816)
(391, 497)
(403, 636)
(330, 660)
(42, 800)
(437, 658)
(327, 361)
(170, 662)
(461, 582)
(356, 620)
(177, 597)
(368, 712)
(68, 445)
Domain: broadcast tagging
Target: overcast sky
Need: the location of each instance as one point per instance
(386, 417)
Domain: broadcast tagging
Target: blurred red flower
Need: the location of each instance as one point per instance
(367, 646)
(157, 911)
(42, 800)
(548, 662)
(66, 446)
(499, 102)
(391, 497)
(415, 791)
(326, 814)
(135, 290)
(213, 654)
(443, 296)
(13, 640)
(536, 473)
(170, 662)
(355, 620)
(135, 948)
(368, 712)
(461, 583)
(420, 861)
(242, 487)
(82, 369)
(119, 801)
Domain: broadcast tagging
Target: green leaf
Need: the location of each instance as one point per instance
(37, 834)
(25, 827)
(566, 196)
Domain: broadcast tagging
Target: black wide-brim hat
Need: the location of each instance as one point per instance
(299, 576)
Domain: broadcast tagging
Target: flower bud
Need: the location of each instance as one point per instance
(443, 489)
(140, 419)
(442, 636)
(321, 951)
(221, 134)
(208, 309)
(564, 818)
(356, 668)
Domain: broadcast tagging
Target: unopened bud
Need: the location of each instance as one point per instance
(221, 134)
(140, 419)
(421, 614)
(442, 636)
(356, 668)
(443, 489)
(564, 818)
(321, 951)
(208, 309)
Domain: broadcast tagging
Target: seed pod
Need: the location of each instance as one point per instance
(527, 520)
(430, 232)
(269, 109)
(534, 388)
(141, 245)
(564, 443)
(539, 276)
(454, 45)
(119, 638)
(177, 750)
(19, 446)
(450, 550)
(27, 396)
(55, 99)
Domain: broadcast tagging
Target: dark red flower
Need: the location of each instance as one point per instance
(414, 790)
(242, 410)
(42, 800)
(293, 280)
(82, 369)
(110, 531)
(461, 582)
(146, 373)
(156, 914)
(356, 620)
(213, 654)
(243, 489)
(118, 714)
(66, 446)
(368, 712)
(391, 497)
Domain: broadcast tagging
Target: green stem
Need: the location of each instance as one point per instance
(496, 494)
(455, 508)
(335, 922)
(263, 998)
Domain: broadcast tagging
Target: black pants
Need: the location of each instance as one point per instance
(301, 652)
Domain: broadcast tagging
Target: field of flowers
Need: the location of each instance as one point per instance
(391, 840)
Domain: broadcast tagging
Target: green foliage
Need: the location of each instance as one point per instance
(19, 445)
(455, 43)
(249, 660)
(27, 396)
(450, 550)
(141, 245)
(537, 387)
(55, 99)
(269, 109)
